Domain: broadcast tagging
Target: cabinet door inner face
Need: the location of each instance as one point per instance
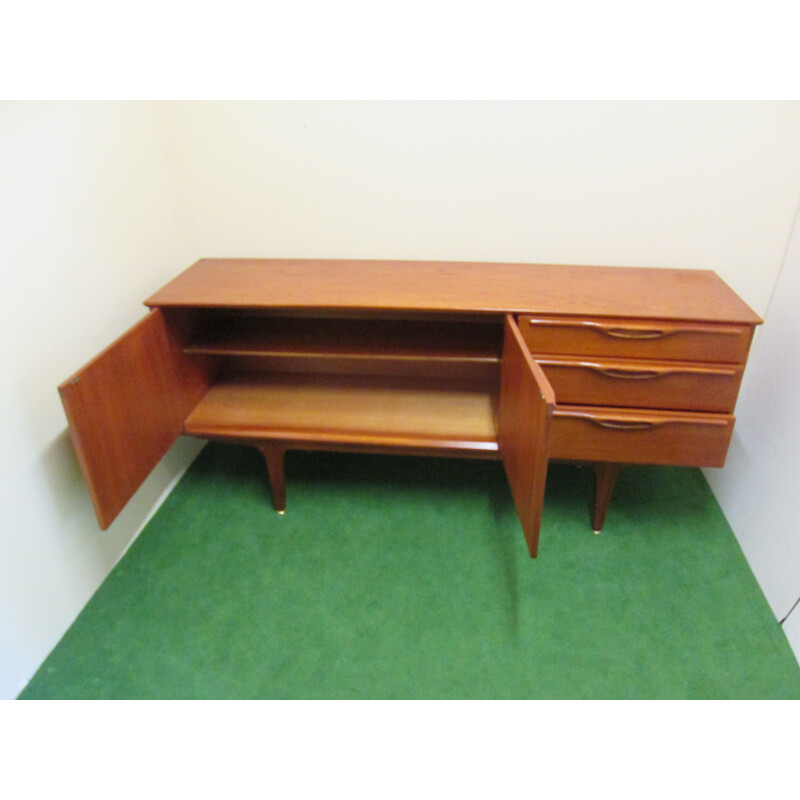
(126, 408)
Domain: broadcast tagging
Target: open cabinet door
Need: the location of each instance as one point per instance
(526, 409)
(126, 408)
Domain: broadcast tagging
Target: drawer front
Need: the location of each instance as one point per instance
(582, 433)
(643, 384)
(658, 340)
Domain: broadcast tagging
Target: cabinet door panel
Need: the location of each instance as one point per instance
(526, 410)
(126, 408)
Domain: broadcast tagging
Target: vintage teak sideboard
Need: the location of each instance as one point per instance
(523, 362)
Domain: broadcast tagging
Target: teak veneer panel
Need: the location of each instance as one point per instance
(643, 384)
(431, 286)
(527, 402)
(640, 436)
(126, 408)
(637, 338)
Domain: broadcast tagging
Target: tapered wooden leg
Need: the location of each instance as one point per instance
(273, 455)
(604, 487)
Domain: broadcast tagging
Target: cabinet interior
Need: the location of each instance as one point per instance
(423, 382)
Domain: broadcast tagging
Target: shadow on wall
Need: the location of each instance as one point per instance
(71, 504)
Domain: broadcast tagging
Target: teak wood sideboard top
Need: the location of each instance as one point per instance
(523, 362)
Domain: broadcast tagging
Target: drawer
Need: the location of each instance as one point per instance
(660, 340)
(583, 433)
(643, 384)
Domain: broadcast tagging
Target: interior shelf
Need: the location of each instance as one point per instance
(367, 411)
(429, 340)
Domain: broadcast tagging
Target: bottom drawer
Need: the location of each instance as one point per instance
(638, 436)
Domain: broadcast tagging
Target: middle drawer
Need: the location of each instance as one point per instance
(643, 384)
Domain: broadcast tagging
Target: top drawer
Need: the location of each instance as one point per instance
(631, 338)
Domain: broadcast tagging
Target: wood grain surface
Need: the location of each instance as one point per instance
(430, 286)
(125, 409)
(374, 412)
(526, 409)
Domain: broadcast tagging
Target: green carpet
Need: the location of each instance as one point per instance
(393, 577)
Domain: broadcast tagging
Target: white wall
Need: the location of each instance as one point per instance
(95, 215)
(87, 231)
(688, 184)
(758, 488)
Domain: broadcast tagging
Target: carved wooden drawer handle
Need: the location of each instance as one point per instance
(631, 374)
(644, 421)
(622, 424)
(633, 333)
(658, 333)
